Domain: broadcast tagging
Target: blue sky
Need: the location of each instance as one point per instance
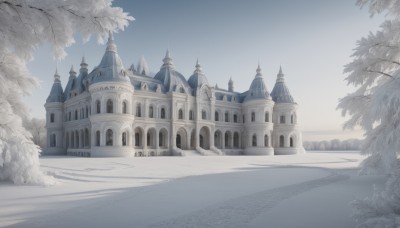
(311, 39)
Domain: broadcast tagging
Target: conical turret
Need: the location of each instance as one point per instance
(257, 89)
(281, 93)
(56, 92)
(198, 78)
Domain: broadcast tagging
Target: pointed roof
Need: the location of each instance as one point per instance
(56, 92)
(142, 67)
(258, 89)
(110, 67)
(281, 93)
(198, 78)
(83, 62)
(168, 75)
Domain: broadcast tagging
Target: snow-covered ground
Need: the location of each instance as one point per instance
(310, 190)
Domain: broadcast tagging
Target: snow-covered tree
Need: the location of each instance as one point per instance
(24, 26)
(375, 106)
(37, 129)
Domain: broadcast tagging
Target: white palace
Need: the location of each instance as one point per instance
(116, 112)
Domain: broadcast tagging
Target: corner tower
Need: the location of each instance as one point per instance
(287, 138)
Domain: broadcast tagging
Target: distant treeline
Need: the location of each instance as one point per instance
(336, 144)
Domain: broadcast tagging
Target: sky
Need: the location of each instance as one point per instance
(311, 39)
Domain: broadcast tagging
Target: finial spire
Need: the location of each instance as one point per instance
(258, 71)
(167, 60)
(198, 70)
(72, 69)
(110, 43)
(280, 76)
(230, 85)
(56, 76)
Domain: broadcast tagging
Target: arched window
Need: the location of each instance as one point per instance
(76, 114)
(124, 107)
(266, 144)
(160, 139)
(191, 115)
(281, 141)
(282, 119)
(97, 138)
(216, 116)
(137, 139)
(226, 139)
(148, 139)
(151, 114)
(124, 143)
(266, 116)
(87, 138)
(181, 90)
(180, 114)
(98, 106)
(292, 119)
(178, 141)
(291, 142)
(109, 106)
(235, 118)
(162, 113)
(226, 116)
(109, 137)
(236, 140)
(52, 118)
(138, 110)
(253, 116)
(203, 115)
(53, 140)
(254, 140)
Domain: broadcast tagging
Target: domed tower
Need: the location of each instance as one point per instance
(54, 119)
(111, 100)
(257, 113)
(287, 138)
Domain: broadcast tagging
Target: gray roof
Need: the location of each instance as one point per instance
(56, 93)
(169, 77)
(281, 93)
(110, 67)
(258, 89)
(198, 78)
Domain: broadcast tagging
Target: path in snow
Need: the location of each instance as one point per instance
(240, 211)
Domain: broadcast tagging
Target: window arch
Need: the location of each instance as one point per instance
(151, 111)
(138, 110)
(97, 138)
(162, 114)
(254, 140)
(216, 116)
(203, 115)
(266, 141)
(98, 106)
(124, 139)
(253, 116)
(226, 116)
(124, 107)
(191, 115)
(110, 106)
(282, 119)
(109, 137)
(180, 114)
(281, 141)
(266, 116)
(52, 118)
(53, 140)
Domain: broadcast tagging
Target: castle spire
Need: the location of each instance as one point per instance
(280, 76)
(110, 43)
(258, 71)
(198, 70)
(56, 76)
(167, 60)
(83, 62)
(230, 85)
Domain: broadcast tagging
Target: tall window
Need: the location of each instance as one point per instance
(137, 139)
(180, 114)
(87, 112)
(53, 140)
(236, 140)
(160, 139)
(109, 106)
(266, 144)
(162, 114)
(282, 119)
(151, 114)
(109, 137)
(191, 115)
(76, 114)
(148, 139)
(291, 119)
(203, 115)
(226, 139)
(235, 118)
(281, 141)
(98, 106)
(52, 118)
(124, 139)
(97, 138)
(138, 110)
(253, 116)
(291, 142)
(226, 116)
(216, 116)
(124, 107)
(254, 140)
(266, 116)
